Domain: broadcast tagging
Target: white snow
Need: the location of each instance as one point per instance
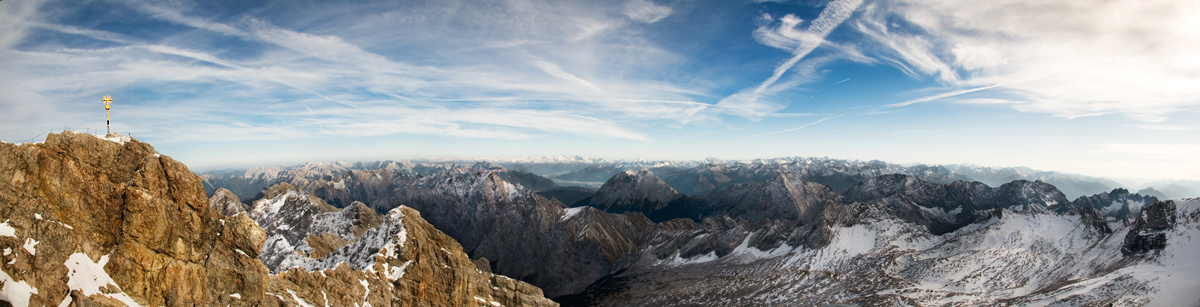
(486, 301)
(7, 251)
(120, 139)
(31, 246)
(88, 277)
(676, 260)
(569, 212)
(39, 216)
(395, 273)
(7, 230)
(299, 300)
(16, 292)
(366, 287)
(1177, 270)
(236, 295)
(748, 253)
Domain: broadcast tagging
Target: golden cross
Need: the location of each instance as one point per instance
(107, 100)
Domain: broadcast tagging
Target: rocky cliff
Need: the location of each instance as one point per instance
(107, 221)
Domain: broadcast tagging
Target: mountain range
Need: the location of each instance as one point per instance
(108, 221)
(771, 233)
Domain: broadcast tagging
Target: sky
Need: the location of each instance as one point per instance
(1101, 88)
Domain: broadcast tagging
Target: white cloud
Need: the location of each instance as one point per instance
(1129, 57)
(15, 19)
(645, 11)
(327, 83)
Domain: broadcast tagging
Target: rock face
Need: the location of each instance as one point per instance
(107, 221)
(787, 196)
(517, 230)
(944, 208)
(1149, 231)
(630, 191)
(1118, 205)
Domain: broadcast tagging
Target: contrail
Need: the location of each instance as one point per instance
(798, 128)
(830, 18)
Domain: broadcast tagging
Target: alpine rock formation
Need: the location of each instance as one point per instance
(107, 221)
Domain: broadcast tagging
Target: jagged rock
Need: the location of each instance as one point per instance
(944, 208)
(227, 203)
(1118, 204)
(116, 206)
(1149, 231)
(138, 228)
(517, 230)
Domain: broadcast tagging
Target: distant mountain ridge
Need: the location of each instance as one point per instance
(691, 178)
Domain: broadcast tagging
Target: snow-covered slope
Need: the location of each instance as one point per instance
(874, 259)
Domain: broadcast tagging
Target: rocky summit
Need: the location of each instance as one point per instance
(107, 221)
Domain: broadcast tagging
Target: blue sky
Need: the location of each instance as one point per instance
(1108, 88)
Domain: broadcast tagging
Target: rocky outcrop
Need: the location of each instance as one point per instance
(227, 203)
(115, 211)
(107, 221)
(1149, 231)
(631, 191)
(948, 207)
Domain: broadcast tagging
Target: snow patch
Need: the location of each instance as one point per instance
(31, 246)
(749, 253)
(486, 301)
(676, 260)
(299, 300)
(7, 230)
(236, 295)
(16, 292)
(119, 139)
(88, 277)
(395, 273)
(570, 212)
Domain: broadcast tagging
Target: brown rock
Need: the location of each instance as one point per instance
(162, 242)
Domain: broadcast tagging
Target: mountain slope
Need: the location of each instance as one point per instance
(786, 196)
(872, 257)
(95, 221)
(630, 191)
